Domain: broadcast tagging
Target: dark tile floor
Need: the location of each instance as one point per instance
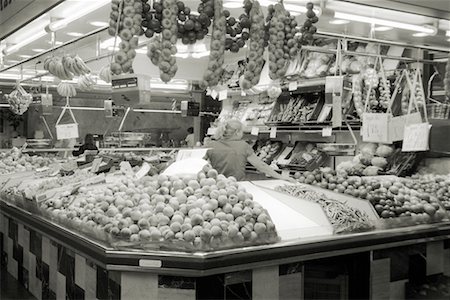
(11, 288)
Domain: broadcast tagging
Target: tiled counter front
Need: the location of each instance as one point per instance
(50, 269)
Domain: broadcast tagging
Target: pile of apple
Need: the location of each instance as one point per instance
(203, 212)
(438, 185)
(15, 161)
(390, 198)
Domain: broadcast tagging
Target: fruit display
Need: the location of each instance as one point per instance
(214, 72)
(256, 46)
(125, 23)
(438, 185)
(66, 89)
(282, 44)
(15, 161)
(267, 150)
(19, 100)
(390, 197)
(317, 64)
(372, 160)
(342, 217)
(298, 109)
(66, 67)
(85, 82)
(308, 29)
(203, 212)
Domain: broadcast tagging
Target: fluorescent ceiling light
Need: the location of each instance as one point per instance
(99, 24)
(56, 25)
(33, 34)
(77, 11)
(37, 50)
(24, 56)
(109, 43)
(339, 22)
(363, 19)
(169, 86)
(447, 33)
(382, 28)
(57, 43)
(75, 34)
(420, 34)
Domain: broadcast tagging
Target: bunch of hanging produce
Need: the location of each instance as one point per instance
(447, 79)
(308, 29)
(66, 89)
(282, 45)
(215, 68)
(191, 27)
(19, 100)
(125, 23)
(255, 55)
(237, 31)
(343, 217)
(85, 82)
(105, 73)
(162, 48)
(66, 66)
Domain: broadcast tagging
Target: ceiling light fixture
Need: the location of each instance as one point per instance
(339, 22)
(376, 21)
(291, 7)
(420, 34)
(99, 24)
(382, 28)
(32, 35)
(37, 50)
(24, 56)
(77, 12)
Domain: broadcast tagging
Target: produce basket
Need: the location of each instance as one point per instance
(340, 149)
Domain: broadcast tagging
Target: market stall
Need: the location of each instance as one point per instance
(348, 113)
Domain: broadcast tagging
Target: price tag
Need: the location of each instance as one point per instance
(96, 165)
(273, 132)
(293, 86)
(211, 131)
(223, 94)
(255, 131)
(125, 167)
(243, 94)
(327, 131)
(416, 137)
(143, 171)
(214, 94)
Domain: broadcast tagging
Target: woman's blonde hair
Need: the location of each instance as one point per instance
(228, 129)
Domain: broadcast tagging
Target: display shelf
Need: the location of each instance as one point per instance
(228, 260)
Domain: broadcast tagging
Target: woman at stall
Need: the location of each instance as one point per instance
(229, 154)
